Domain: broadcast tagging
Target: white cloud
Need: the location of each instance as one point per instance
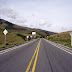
(42, 23)
(10, 15)
(49, 25)
(8, 12)
(3, 2)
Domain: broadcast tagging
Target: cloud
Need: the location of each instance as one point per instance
(3, 2)
(31, 25)
(12, 16)
(21, 20)
(42, 23)
(63, 28)
(49, 25)
(33, 14)
(8, 12)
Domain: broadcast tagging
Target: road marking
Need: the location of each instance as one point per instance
(31, 61)
(35, 53)
(33, 69)
(61, 47)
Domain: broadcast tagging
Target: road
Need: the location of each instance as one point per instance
(37, 56)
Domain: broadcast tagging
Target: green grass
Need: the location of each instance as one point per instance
(11, 38)
(61, 38)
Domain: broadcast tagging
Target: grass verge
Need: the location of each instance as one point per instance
(61, 38)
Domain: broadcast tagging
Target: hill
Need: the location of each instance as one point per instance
(17, 34)
(63, 38)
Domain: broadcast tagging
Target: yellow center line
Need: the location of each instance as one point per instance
(36, 50)
(31, 61)
(34, 65)
(33, 69)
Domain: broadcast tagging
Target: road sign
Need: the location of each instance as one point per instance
(33, 33)
(5, 32)
(71, 37)
(31, 37)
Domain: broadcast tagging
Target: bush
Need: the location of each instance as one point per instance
(7, 44)
(3, 47)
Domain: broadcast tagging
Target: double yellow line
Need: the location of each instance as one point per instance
(34, 55)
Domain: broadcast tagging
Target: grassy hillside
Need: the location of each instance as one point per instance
(17, 34)
(63, 38)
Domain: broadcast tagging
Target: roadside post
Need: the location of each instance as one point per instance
(5, 32)
(31, 37)
(27, 38)
(34, 36)
(71, 37)
(47, 37)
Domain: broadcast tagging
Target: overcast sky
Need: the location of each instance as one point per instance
(50, 15)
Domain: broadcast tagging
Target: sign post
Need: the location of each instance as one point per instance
(5, 32)
(71, 37)
(47, 37)
(31, 37)
(27, 38)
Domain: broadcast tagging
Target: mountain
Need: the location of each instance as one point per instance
(63, 38)
(17, 34)
(10, 26)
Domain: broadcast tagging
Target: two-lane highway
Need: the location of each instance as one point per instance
(37, 56)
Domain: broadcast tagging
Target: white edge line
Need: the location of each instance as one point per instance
(66, 50)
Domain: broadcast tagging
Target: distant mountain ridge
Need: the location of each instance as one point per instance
(8, 25)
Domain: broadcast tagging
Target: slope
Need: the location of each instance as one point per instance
(63, 38)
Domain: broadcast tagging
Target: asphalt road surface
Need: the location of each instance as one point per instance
(37, 56)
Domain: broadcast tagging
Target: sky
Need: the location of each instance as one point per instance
(50, 15)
